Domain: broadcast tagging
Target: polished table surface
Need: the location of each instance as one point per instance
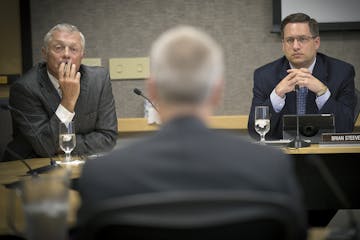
(225, 122)
(13, 172)
(324, 149)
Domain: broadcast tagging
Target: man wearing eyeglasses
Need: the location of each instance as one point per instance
(61, 89)
(325, 84)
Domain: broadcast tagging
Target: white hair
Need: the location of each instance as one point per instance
(66, 28)
(185, 64)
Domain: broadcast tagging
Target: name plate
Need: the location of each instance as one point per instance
(341, 138)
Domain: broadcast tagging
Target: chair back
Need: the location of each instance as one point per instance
(5, 126)
(195, 215)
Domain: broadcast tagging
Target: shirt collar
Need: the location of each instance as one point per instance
(54, 82)
(310, 68)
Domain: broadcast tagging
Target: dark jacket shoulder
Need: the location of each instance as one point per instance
(330, 61)
(273, 66)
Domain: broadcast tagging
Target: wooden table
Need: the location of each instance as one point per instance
(14, 171)
(226, 122)
(137, 125)
(319, 149)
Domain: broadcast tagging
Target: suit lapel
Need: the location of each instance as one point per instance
(284, 67)
(320, 72)
(47, 89)
(291, 96)
(84, 88)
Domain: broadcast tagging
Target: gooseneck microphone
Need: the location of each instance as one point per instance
(139, 92)
(31, 171)
(297, 142)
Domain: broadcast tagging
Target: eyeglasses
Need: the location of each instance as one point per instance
(300, 39)
(58, 48)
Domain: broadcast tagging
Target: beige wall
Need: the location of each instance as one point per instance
(126, 28)
(10, 40)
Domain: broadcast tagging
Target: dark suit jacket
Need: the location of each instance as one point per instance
(186, 156)
(337, 75)
(35, 96)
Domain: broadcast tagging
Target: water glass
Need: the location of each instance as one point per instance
(67, 138)
(45, 203)
(262, 121)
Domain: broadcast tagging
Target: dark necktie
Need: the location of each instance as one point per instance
(301, 100)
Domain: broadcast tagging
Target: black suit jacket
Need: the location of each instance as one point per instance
(35, 96)
(186, 156)
(337, 75)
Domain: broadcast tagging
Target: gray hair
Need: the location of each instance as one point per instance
(66, 28)
(186, 63)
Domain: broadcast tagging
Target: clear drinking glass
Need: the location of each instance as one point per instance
(67, 138)
(262, 121)
(45, 201)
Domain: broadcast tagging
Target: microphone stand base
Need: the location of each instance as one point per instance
(298, 143)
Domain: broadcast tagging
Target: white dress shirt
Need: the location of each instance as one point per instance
(61, 112)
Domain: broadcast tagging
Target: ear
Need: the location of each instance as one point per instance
(150, 85)
(283, 45)
(217, 93)
(317, 42)
(44, 53)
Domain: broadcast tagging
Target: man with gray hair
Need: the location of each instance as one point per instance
(61, 89)
(186, 83)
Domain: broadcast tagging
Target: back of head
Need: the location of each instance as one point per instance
(186, 64)
(301, 18)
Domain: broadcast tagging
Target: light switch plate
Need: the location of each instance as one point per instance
(129, 68)
(91, 61)
(3, 80)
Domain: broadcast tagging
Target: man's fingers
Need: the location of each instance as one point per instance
(304, 70)
(72, 71)
(292, 70)
(67, 69)
(78, 75)
(61, 70)
(290, 76)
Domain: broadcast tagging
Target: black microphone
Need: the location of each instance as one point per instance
(297, 142)
(31, 171)
(139, 92)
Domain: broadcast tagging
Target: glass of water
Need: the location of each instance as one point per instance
(262, 121)
(45, 201)
(67, 138)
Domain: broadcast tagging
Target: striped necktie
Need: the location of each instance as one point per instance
(59, 91)
(301, 100)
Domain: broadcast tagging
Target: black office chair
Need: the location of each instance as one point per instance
(5, 126)
(195, 215)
